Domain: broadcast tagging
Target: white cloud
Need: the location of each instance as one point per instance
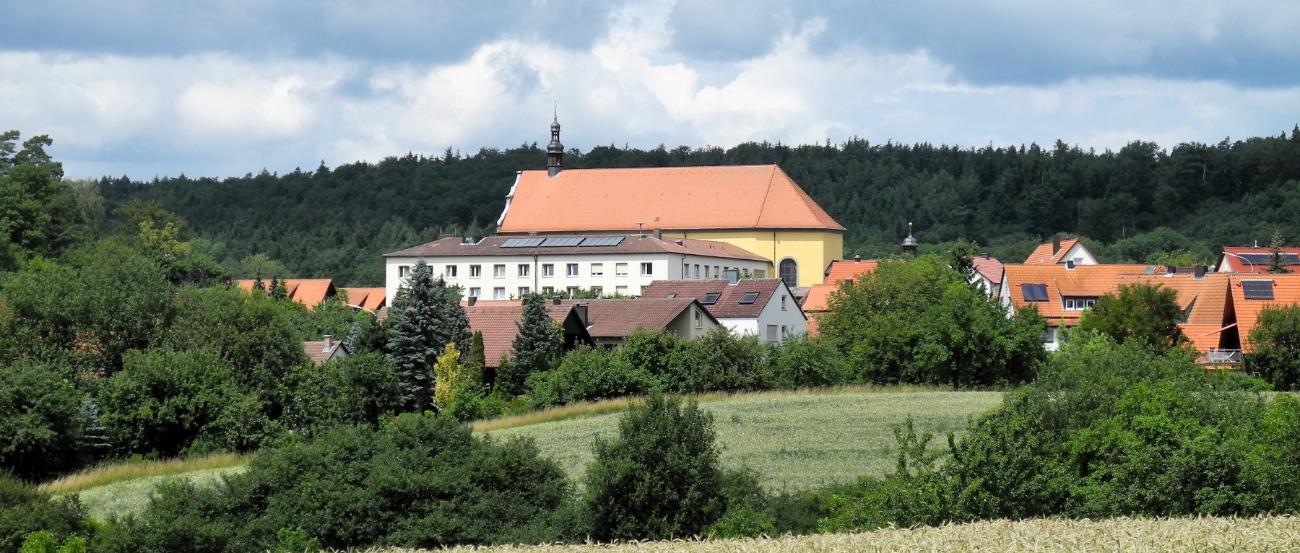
(226, 115)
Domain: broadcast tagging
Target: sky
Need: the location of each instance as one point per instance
(159, 88)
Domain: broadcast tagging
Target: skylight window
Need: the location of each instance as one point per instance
(749, 298)
(1034, 292)
(711, 298)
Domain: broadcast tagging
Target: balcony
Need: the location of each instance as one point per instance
(1221, 357)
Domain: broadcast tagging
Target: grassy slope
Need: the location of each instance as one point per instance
(1239, 535)
(124, 487)
(795, 441)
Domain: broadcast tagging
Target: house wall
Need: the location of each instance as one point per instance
(1080, 255)
(813, 250)
(664, 266)
(792, 317)
(685, 325)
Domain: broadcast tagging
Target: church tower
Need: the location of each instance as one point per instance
(554, 150)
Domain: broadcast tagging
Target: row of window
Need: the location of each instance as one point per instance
(714, 271)
(499, 292)
(524, 270)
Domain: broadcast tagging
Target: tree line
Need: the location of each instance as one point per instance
(1144, 200)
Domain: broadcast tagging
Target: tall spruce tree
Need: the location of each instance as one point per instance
(425, 316)
(537, 346)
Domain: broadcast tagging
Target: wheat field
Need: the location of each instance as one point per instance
(1176, 535)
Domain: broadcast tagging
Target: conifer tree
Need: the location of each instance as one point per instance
(258, 285)
(278, 289)
(538, 344)
(449, 376)
(1276, 260)
(425, 316)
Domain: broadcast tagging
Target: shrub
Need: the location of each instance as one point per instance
(717, 361)
(1144, 313)
(251, 333)
(358, 389)
(24, 510)
(41, 421)
(588, 374)
(659, 478)
(165, 402)
(803, 362)
(1276, 353)
(420, 481)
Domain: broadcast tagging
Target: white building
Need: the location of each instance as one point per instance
(504, 267)
(757, 307)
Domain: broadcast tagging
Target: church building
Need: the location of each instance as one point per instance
(755, 207)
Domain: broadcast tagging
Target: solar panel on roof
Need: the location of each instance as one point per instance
(711, 298)
(1257, 289)
(602, 241)
(1034, 292)
(1267, 258)
(749, 298)
(561, 241)
(522, 242)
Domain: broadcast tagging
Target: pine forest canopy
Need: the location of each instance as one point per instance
(336, 223)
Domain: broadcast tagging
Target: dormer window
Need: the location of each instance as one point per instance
(1078, 303)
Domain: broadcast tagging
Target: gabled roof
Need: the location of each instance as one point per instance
(307, 291)
(818, 297)
(1257, 259)
(989, 268)
(369, 299)
(499, 323)
(728, 304)
(1042, 255)
(494, 246)
(1082, 281)
(1204, 300)
(621, 318)
(669, 198)
(320, 351)
(1286, 291)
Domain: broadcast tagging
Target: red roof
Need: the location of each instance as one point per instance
(1286, 291)
(499, 323)
(1043, 255)
(818, 297)
(1258, 259)
(493, 246)
(370, 299)
(728, 304)
(319, 351)
(621, 318)
(307, 291)
(669, 198)
(989, 268)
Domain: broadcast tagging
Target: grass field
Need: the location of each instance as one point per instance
(124, 487)
(1178, 535)
(794, 441)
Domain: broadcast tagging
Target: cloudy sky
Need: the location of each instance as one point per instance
(147, 88)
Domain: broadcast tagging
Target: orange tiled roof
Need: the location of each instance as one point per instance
(307, 291)
(369, 299)
(989, 267)
(678, 198)
(499, 322)
(1204, 337)
(1238, 265)
(818, 297)
(1042, 255)
(1286, 291)
(1082, 281)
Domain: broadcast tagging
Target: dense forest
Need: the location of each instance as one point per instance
(1136, 204)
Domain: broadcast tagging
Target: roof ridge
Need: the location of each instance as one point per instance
(762, 209)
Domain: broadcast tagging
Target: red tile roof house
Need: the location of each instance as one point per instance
(588, 322)
(817, 302)
(756, 307)
(320, 351)
(1062, 252)
(1256, 260)
(307, 291)
(988, 274)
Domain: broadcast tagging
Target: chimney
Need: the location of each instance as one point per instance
(555, 300)
(329, 342)
(1056, 243)
(1199, 271)
(554, 150)
(467, 240)
(985, 255)
(1069, 264)
(1170, 269)
(857, 258)
(472, 300)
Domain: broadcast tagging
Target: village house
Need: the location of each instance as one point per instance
(307, 291)
(765, 308)
(1256, 260)
(757, 208)
(369, 299)
(326, 349)
(505, 267)
(1250, 294)
(816, 303)
(498, 321)
(1062, 252)
(987, 274)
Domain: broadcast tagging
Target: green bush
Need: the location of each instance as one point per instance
(420, 481)
(659, 478)
(1276, 353)
(717, 361)
(588, 374)
(166, 402)
(41, 421)
(804, 362)
(1143, 313)
(358, 389)
(251, 333)
(24, 510)
(46, 541)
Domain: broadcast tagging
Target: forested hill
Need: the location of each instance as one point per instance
(336, 223)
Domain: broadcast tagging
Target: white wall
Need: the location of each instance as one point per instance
(664, 266)
(1080, 255)
(792, 318)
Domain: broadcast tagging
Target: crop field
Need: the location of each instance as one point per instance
(124, 488)
(1176, 535)
(794, 441)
